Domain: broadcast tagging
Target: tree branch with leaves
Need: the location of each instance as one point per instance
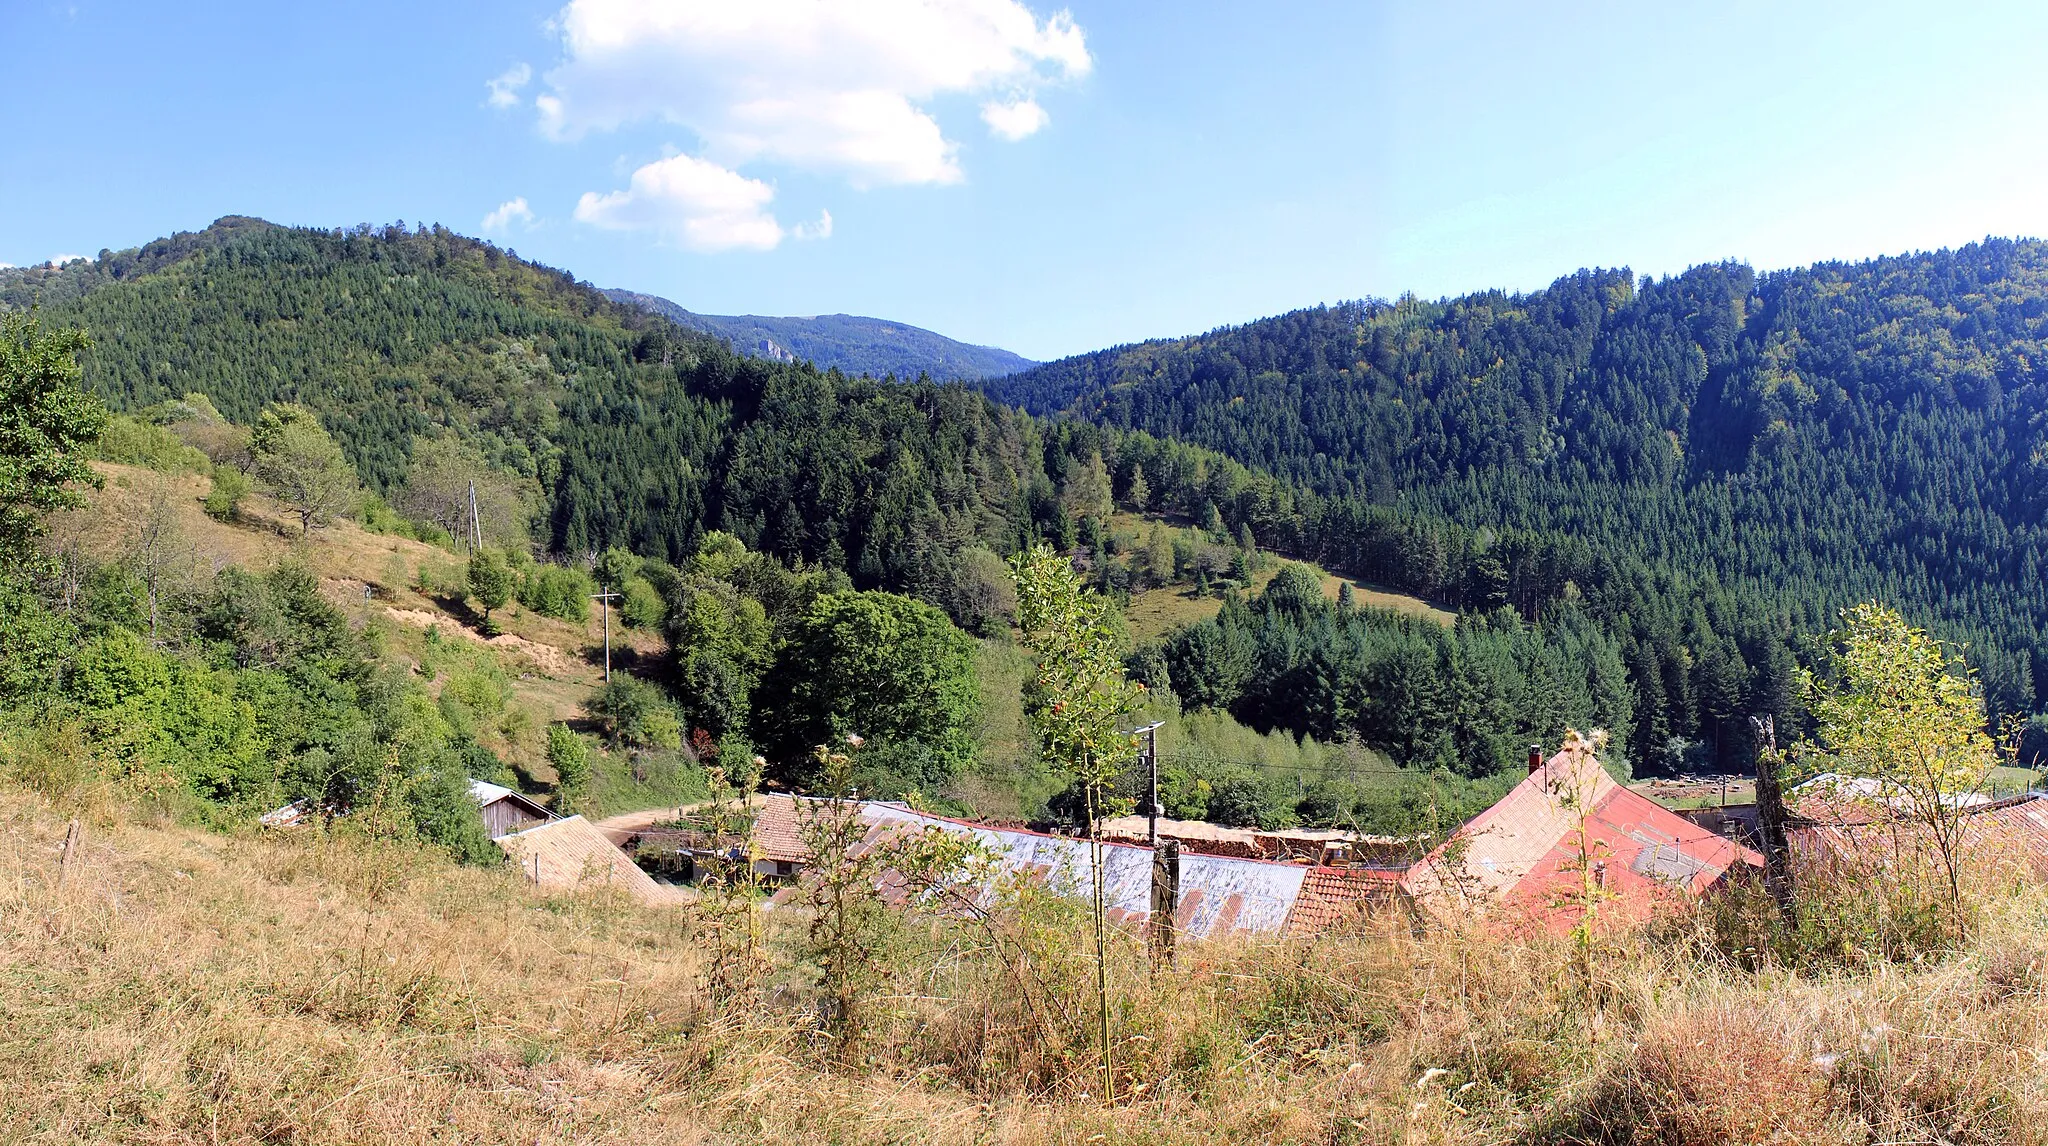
(1078, 700)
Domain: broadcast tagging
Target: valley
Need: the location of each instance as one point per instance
(319, 518)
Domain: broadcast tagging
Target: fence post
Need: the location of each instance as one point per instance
(1165, 898)
(1770, 819)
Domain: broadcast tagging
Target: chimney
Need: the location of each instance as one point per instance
(1535, 758)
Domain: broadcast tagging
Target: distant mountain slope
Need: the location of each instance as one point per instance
(1825, 434)
(855, 345)
(641, 433)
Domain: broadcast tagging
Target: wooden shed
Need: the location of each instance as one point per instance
(505, 811)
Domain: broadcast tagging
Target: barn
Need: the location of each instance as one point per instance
(505, 811)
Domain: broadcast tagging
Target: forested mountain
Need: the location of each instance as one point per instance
(1713, 462)
(639, 432)
(1662, 487)
(875, 347)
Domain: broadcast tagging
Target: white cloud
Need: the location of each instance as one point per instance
(508, 211)
(822, 229)
(831, 85)
(1014, 120)
(699, 204)
(6, 266)
(505, 86)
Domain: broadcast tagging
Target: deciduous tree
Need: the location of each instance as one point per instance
(302, 466)
(46, 420)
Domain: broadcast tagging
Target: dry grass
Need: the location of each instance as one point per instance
(186, 987)
(553, 665)
(1157, 612)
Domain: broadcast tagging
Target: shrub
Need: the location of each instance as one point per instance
(224, 499)
(635, 714)
(571, 759)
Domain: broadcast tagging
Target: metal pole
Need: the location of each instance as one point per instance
(1152, 791)
(1149, 756)
(604, 609)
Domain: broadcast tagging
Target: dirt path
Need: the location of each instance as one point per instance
(620, 828)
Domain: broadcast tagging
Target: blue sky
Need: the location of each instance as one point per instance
(1050, 181)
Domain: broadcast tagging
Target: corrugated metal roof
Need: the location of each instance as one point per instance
(2016, 827)
(1219, 894)
(485, 793)
(1527, 851)
(572, 855)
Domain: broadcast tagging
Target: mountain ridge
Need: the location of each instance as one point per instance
(851, 343)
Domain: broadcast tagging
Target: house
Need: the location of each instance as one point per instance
(2014, 829)
(572, 855)
(774, 843)
(1832, 798)
(505, 811)
(1531, 854)
(1335, 899)
(1219, 895)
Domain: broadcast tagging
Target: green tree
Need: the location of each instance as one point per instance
(224, 499)
(1078, 703)
(1903, 709)
(437, 489)
(570, 756)
(302, 466)
(617, 567)
(491, 581)
(634, 714)
(1139, 492)
(46, 424)
(889, 669)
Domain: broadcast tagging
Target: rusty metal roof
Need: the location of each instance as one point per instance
(1536, 847)
(2014, 828)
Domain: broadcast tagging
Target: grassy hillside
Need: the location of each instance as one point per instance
(535, 670)
(191, 987)
(639, 432)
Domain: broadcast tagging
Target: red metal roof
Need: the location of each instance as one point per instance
(1532, 849)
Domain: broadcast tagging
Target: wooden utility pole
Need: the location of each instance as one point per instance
(604, 607)
(1165, 856)
(1770, 819)
(1165, 899)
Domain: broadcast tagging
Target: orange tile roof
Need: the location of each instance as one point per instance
(777, 832)
(1333, 896)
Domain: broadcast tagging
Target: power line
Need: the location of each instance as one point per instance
(1312, 769)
